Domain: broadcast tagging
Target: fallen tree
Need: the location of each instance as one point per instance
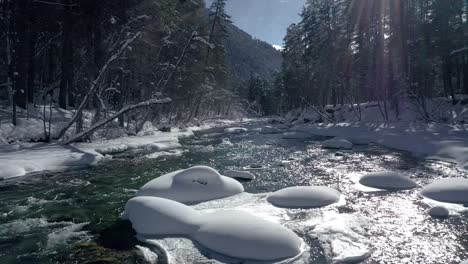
(109, 119)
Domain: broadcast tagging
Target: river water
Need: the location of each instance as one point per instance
(73, 217)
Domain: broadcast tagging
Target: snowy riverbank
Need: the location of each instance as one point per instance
(432, 141)
(20, 159)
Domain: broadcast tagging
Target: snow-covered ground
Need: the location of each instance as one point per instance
(18, 156)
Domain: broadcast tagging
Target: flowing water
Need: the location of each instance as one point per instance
(73, 217)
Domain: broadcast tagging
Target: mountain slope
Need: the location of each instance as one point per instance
(246, 56)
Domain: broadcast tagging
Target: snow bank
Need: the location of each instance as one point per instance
(158, 216)
(387, 180)
(193, 185)
(451, 190)
(337, 143)
(44, 157)
(439, 211)
(296, 135)
(304, 197)
(434, 141)
(239, 234)
(233, 233)
(235, 130)
(239, 174)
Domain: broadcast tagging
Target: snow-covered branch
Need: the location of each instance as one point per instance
(95, 84)
(115, 116)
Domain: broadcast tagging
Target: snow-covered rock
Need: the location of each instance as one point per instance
(235, 130)
(451, 190)
(193, 185)
(439, 211)
(242, 235)
(296, 135)
(304, 197)
(233, 233)
(158, 216)
(387, 180)
(239, 174)
(337, 143)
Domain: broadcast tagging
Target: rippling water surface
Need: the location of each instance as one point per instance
(58, 217)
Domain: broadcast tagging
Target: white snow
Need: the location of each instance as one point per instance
(233, 233)
(450, 190)
(242, 235)
(304, 197)
(337, 143)
(387, 180)
(239, 174)
(235, 130)
(343, 236)
(193, 185)
(44, 157)
(149, 256)
(296, 135)
(439, 211)
(158, 216)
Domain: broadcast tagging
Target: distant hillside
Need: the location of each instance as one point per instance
(246, 56)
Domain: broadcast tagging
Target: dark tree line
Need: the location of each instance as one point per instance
(383, 51)
(104, 55)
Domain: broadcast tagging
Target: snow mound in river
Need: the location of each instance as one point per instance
(387, 180)
(229, 232)
(296, 135)
(451, 190)
(337, 143)
(242, 235)
(193, 185)
(439, 211)
(235, 130)
(304, 197)
(239, 174)
(158, 216)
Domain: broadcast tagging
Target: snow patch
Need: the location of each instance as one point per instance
(193, 185)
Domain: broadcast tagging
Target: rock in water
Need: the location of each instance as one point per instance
(439, 211)
(159, 216)
(304, 197)
(235, 130)
(337, 143)
(387, 180)
(241, 235)
(193, 185)
(450, 190)
(239, 174)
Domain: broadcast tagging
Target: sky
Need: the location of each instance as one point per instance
(265, 19)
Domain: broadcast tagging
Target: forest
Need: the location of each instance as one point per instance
(383, 51)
